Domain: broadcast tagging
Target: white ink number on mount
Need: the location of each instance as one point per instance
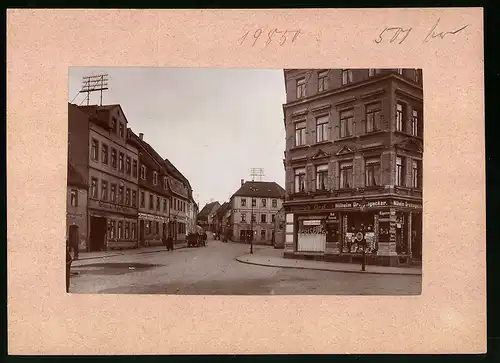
(267, 37)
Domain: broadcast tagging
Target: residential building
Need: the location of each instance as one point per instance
(353, 162)
(221, 219)
(253, 209)
(206, 216)
(180, 189)
(154, 194)
(192, 214)
(76, 200)
(100, 148)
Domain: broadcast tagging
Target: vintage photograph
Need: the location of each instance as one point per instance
(211, 181)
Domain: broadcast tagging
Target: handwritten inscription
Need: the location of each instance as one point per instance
(398, 34)
(267, 37)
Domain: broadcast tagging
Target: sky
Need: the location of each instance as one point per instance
(213, 124)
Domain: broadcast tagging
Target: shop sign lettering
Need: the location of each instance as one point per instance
(115, 207)
(398, 203)
(311, 230)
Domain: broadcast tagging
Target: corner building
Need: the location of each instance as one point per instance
(353, 161)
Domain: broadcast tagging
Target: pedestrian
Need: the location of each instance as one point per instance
(73, 241)
(170, 243)
(69, 259)
(164, 241)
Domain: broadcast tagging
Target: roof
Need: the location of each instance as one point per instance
(223, 208)
(207, 209)
(75, 178)
(260, 189)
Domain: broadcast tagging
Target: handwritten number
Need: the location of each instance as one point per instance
(270, 36)
(283, 38)
(242, 39)
(256, 35)
(295, 36)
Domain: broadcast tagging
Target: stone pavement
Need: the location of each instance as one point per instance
(274, 258)
(105, 254)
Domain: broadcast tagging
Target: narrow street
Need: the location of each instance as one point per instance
(213, 270)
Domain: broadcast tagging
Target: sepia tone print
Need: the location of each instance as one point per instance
(275, 182)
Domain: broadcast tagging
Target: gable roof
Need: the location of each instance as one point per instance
(75, 178)
(207, 209)
(260, 189)
(223, 208)
(94, 108)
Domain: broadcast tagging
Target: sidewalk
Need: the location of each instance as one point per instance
(274, 258)
(142, 250)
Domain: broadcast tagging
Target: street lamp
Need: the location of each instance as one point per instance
(253, 189)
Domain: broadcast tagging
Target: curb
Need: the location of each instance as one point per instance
(123, 254)
(239, 259)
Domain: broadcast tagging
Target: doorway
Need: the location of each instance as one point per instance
(141, 232)
(164, 230)
(97, 236)
(416, 236)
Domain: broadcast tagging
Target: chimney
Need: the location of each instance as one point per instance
(141, 136)
(242, 182)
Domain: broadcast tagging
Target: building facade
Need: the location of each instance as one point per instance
(192, 214)
(219, 220)
(76, 201)
(112, 174)
(253, 210)
(353, 162)
(180, 189)
(279, 229)
(206, 217)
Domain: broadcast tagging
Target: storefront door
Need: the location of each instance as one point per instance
(311, 234)
(416, 236)
(97, 236)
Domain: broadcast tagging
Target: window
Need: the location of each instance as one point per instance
(73, 198)
(113, 158)
(111, 229)
(371, 72)
(301, 87)
(322, 129)
(93, 188)
(158, 205)
(263, 234)
(134, 198)
(416, 175)
(346, 123)
(127, 230)
(155, 177)
(274, 203)
(273, 217)
(300, 133)
(322, 81)
(148, 227)
(321, 177)
(127, 196)
(372, 172)
(254, 202)
(120, 162)
(121, 130)
(243, 202)
(346, 175)
(143, 200)
(300, 180)
(415, 123)
(127, 165)
(94, 152)
(346, 76)
(120, 224)
(263, 202)
(400, 171)
(104, 190)
(164, 205)
(254, 219)
(400, 110)
(121, 194)
(104, 154)
(143, 172)
(263, 218)
(400, 71)
(113, 193)
(151, 205)
(165, 182)
(113, 124)
(134, 168)
(243, 217)
(134, 228)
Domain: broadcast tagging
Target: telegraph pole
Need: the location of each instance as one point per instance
(253, 189)
(257, 172)
(93, 84)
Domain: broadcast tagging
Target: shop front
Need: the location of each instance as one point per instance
(391, 229)
(151, 229)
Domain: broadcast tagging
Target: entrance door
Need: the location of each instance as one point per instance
(97, 235)
(164, 230)
(141, 232)
(416, 236)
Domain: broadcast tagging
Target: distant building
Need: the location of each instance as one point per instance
(221, 219)
(206, 216)
(353, 162)
(264, 199)
(76, 215)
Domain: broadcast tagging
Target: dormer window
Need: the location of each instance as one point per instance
(155, 178)
(143, 172)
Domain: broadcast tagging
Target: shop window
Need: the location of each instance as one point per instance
(127, 230)
(128, 167)
(263, 234)
(264, 202)
(104, 190)
(301, 87)
(151, 202)
(274, 203)
(346, 76)
(346, 123)
(263, 218)
(243, 217)
(127, 196)
(373, 113)
(134, 229)
(346, 175)
(134, 168)
(400, 112)
(322, 129)
(120, 224)
(104, 154)
(73, 197)
(113, 193)
(322, 81)
(300, 180)
(121, 194)
(300, 133)
(372, 172)
(243, 202)
(94, 151)
(134, 198)
(93, 188)
(321, 176)
(400, 171)
(157, 227)
(148, 227)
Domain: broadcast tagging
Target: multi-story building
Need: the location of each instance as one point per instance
(253, 210)
(180, 188)
(98, 140)
(154, 195)
(279, 229)
(76, 215)
(206, 216)
(353, 161)
(220, 219)
(192, 214)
